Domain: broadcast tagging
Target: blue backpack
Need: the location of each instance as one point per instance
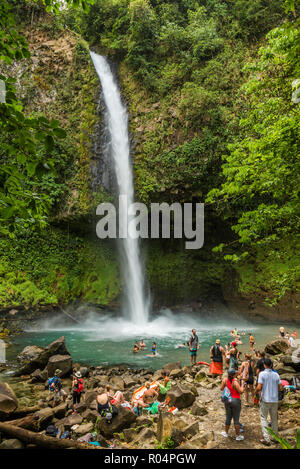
(226, 395)
(56, 382)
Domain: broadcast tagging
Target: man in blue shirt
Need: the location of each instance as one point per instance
(269, 384)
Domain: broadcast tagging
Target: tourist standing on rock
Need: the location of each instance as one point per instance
(77, 386)
(216, 355)
(247, 374)
(269, 385)
(233, 404)
(193, 346)
(56, 387)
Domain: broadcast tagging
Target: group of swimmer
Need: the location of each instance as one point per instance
(140, 346)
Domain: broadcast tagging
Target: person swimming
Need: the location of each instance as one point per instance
(142, 344)
(136, 347)
(153, 354)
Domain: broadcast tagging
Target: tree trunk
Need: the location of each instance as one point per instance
(41, 440)
(19, 413)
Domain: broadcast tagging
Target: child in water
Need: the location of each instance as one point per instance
(136, 347)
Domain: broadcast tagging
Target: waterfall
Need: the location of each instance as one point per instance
(136, 307)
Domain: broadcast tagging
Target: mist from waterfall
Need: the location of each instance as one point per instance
(136, 306)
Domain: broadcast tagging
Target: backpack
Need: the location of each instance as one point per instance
(66, 435)
(226, 395)
(79, 386)
(56, 382)
(51, 430)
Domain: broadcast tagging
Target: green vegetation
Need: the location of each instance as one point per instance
(283, 442)
(208, 86)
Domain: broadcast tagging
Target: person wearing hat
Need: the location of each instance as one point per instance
(77, 386)
(56, 387)
(216, 355)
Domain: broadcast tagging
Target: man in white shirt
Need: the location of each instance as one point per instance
(269, 384)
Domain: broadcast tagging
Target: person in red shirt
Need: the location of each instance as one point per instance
(233, 408)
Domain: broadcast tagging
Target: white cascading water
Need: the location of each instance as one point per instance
(136, 306)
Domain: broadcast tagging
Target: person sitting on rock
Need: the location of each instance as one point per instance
(164, 385)
(103, 401)
(77, 386)
(55, 386)
(117, 398)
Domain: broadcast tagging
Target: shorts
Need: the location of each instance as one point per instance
(58, 394)
(250, 381)
(193, 352)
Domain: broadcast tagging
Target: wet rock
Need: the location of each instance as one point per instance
(11, 444)
(37, 376)
(123, 420)
(62, 362)
(8, 400)
(180, 396)
(276, 346)
(198, 409)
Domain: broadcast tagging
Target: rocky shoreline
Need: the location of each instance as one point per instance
(197, 423)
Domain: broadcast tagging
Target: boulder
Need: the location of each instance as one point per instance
(176, 373)
(90, 415)
(63, 362)
(37, 376)
(172, 366)
(181, 396)
(8, 400)
(198, 409)
(143, 420)
(89, 397)
(146, 434)
(11, 444)
(117, 383)
(71, 420)
(129, 381)
(204, 438)
(85, 428)
(276, 346)
(123, 420)
(32, 357)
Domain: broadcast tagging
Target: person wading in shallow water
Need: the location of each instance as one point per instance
(193, 346)
(216, 354)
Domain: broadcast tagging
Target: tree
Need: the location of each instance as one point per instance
(22, 136)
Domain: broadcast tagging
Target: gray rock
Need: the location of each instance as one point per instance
(118, 383)
(123, 420)
(89, 397)
(180, 396)
(71, 420)
(129, 434)
(90, 415)
(191, 430)
(198, 409)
